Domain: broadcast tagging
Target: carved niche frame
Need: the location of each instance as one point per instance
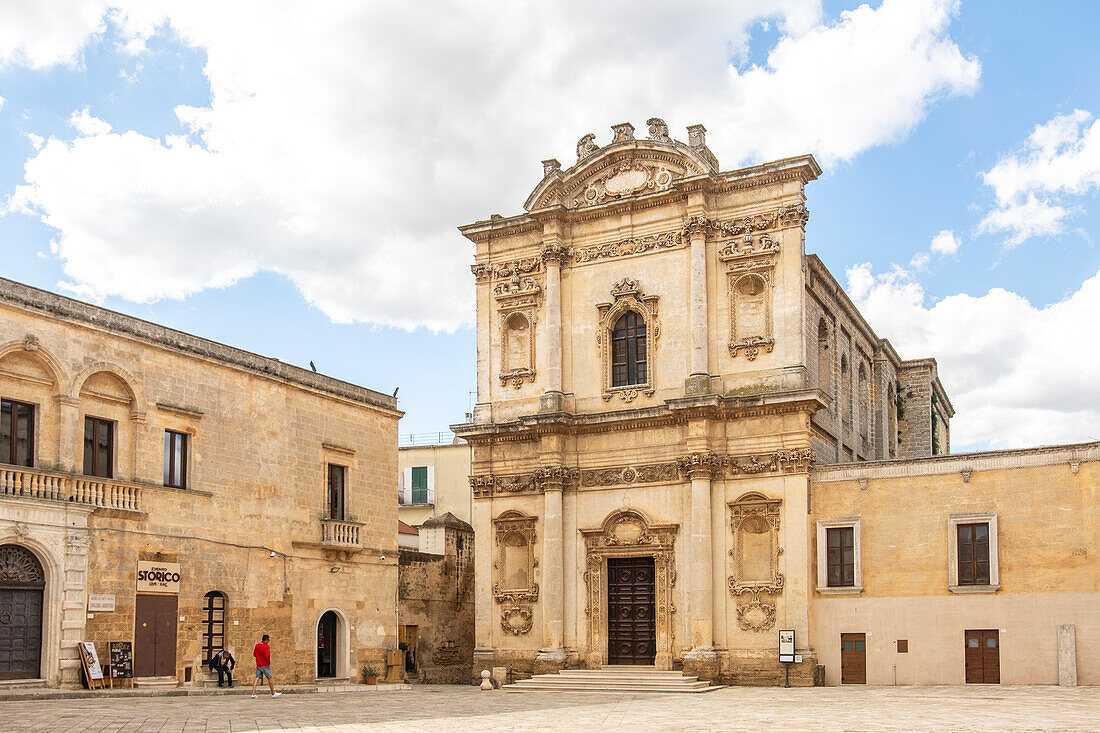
(755, 598)
(627, 295)
(517, 296)
(629, 533)
(516, 616)
(750, 256)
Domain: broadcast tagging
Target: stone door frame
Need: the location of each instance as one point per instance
(629, 533)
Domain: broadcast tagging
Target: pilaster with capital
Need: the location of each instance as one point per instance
(552, 480)
(701, 467)
(553, 254)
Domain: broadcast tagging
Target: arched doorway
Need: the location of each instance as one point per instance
(22, 582)
(326, 644)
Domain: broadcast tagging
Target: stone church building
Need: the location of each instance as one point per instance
(687, 439)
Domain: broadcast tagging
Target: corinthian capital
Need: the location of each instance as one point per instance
(555, 252)
(702, 464)
(554, 477)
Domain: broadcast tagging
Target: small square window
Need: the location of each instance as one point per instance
(903, 646)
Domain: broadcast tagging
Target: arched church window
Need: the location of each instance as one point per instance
(628, 350)
(864, 402)
(845, 392)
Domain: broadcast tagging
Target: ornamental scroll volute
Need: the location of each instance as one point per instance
(755, 579)
(750, 273)
(517, 297)
(514, 586)
(629, 533)
(627, 295)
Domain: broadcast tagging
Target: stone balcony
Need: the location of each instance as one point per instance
(37, 485)
(340, 534)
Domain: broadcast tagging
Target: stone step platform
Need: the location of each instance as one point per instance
(158, 683)
(614, 679)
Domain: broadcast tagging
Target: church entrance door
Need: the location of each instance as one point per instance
(631, 616)
(21, 587)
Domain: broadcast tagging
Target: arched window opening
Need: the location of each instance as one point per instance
(824, 361)
(628, 351)
(213, 628)
(864, 402)
(892, 411)
(845, 393)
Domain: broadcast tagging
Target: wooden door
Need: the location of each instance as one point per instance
(631, 617)
(155, 636)
(853, 659)
(983, 656)
(20, 633)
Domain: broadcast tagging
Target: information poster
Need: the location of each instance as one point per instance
(91, 660)
(786, 646)
(122, 660)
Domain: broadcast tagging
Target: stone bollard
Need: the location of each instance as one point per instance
(486, 683)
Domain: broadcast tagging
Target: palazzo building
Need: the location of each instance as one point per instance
(687, 438)
(169, 491)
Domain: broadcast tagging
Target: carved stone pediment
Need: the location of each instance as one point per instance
(625, 167)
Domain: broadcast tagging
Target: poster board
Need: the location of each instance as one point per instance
(122, 660)
(786, 646)
(93, 672)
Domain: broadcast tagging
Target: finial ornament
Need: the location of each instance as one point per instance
(586, 146)
(658, 130)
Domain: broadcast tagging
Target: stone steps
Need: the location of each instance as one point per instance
(156, 682)
(614, 679)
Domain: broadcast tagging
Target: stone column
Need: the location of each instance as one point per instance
(553, 253)
(485, 621)
(552, 589)
(702, 660)
(698, 381)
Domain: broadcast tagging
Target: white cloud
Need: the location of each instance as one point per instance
(945, 243)
(37, 141)
(1017, 374)
(1059, 160)
(341, 149)
(86, 125)
(919, 261)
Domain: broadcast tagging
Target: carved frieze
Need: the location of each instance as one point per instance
(524, 483)
(782, 218)
(617, 475)
(755, 579)
(494, 271)
(626, 179)
(629, 533)
(629, 246)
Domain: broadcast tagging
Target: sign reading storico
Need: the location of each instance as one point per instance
(158, 577)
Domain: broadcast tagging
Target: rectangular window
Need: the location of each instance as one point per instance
(99, 447)
(175, 459)
(420, 485)
(16, 433)
(973, 551)
(841, 557)
(337, 476)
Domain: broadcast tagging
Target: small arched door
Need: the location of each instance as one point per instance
(22, 582)
(326, 645)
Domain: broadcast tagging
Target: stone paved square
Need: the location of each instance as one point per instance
(454, 708)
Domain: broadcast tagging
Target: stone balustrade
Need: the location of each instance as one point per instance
(34, 484)
(340, 533)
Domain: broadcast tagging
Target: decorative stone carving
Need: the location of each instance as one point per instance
(550, 166)
(514, 559)
(625, 179)
(517, 296)
(627, 295)
(555, 252)
(647, 474)
(30, 342)
(524, 483)
(494, 271)
(796, 461)
(658, 130)
(586, 146)
(623, 132)
(629, 533)
(631, 246)
(750, 268)
(703, 464)
(755, 578)
(516, 619)
(782, 218)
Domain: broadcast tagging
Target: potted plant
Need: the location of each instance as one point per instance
(370, 674)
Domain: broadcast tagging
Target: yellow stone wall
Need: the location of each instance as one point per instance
(261, 435)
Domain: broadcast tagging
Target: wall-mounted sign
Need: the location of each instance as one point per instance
(786, 646)
(158, 577)
(101, 602)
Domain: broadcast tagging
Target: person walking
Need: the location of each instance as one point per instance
(262, 652)
(223, 663)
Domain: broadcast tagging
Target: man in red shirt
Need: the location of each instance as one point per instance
(262, 652)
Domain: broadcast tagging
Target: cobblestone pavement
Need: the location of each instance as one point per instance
(453, 708)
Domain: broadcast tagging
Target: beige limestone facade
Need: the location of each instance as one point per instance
(248, 541)
(660, 368)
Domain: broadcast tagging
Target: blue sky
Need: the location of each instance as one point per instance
(290, 183)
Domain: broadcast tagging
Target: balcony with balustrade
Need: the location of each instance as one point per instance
(340, 534)
(32, 484)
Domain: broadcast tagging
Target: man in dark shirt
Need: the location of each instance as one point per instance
(223, 663)
(262, 653)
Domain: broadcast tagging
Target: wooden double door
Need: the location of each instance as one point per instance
(20, 633)
(155, 636)
(631, 611)
(983, 656)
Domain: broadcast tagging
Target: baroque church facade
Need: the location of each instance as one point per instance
(687, 439)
